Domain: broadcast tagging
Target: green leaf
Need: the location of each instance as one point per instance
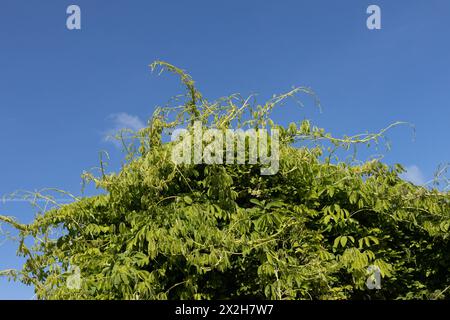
(343, 241)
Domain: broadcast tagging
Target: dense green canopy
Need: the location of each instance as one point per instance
(311, 231)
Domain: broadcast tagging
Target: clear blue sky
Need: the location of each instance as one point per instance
(61, 90)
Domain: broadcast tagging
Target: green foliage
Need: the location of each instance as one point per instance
(166, 231)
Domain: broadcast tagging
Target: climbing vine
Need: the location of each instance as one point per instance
(162, 230)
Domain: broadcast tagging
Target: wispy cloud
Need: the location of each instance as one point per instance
(121, 121)
(126, 121)
(413, 174)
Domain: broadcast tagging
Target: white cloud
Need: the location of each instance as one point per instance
(126, 121)
(122, 121)
(413, 174)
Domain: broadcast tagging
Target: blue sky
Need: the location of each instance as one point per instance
(61, 91)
